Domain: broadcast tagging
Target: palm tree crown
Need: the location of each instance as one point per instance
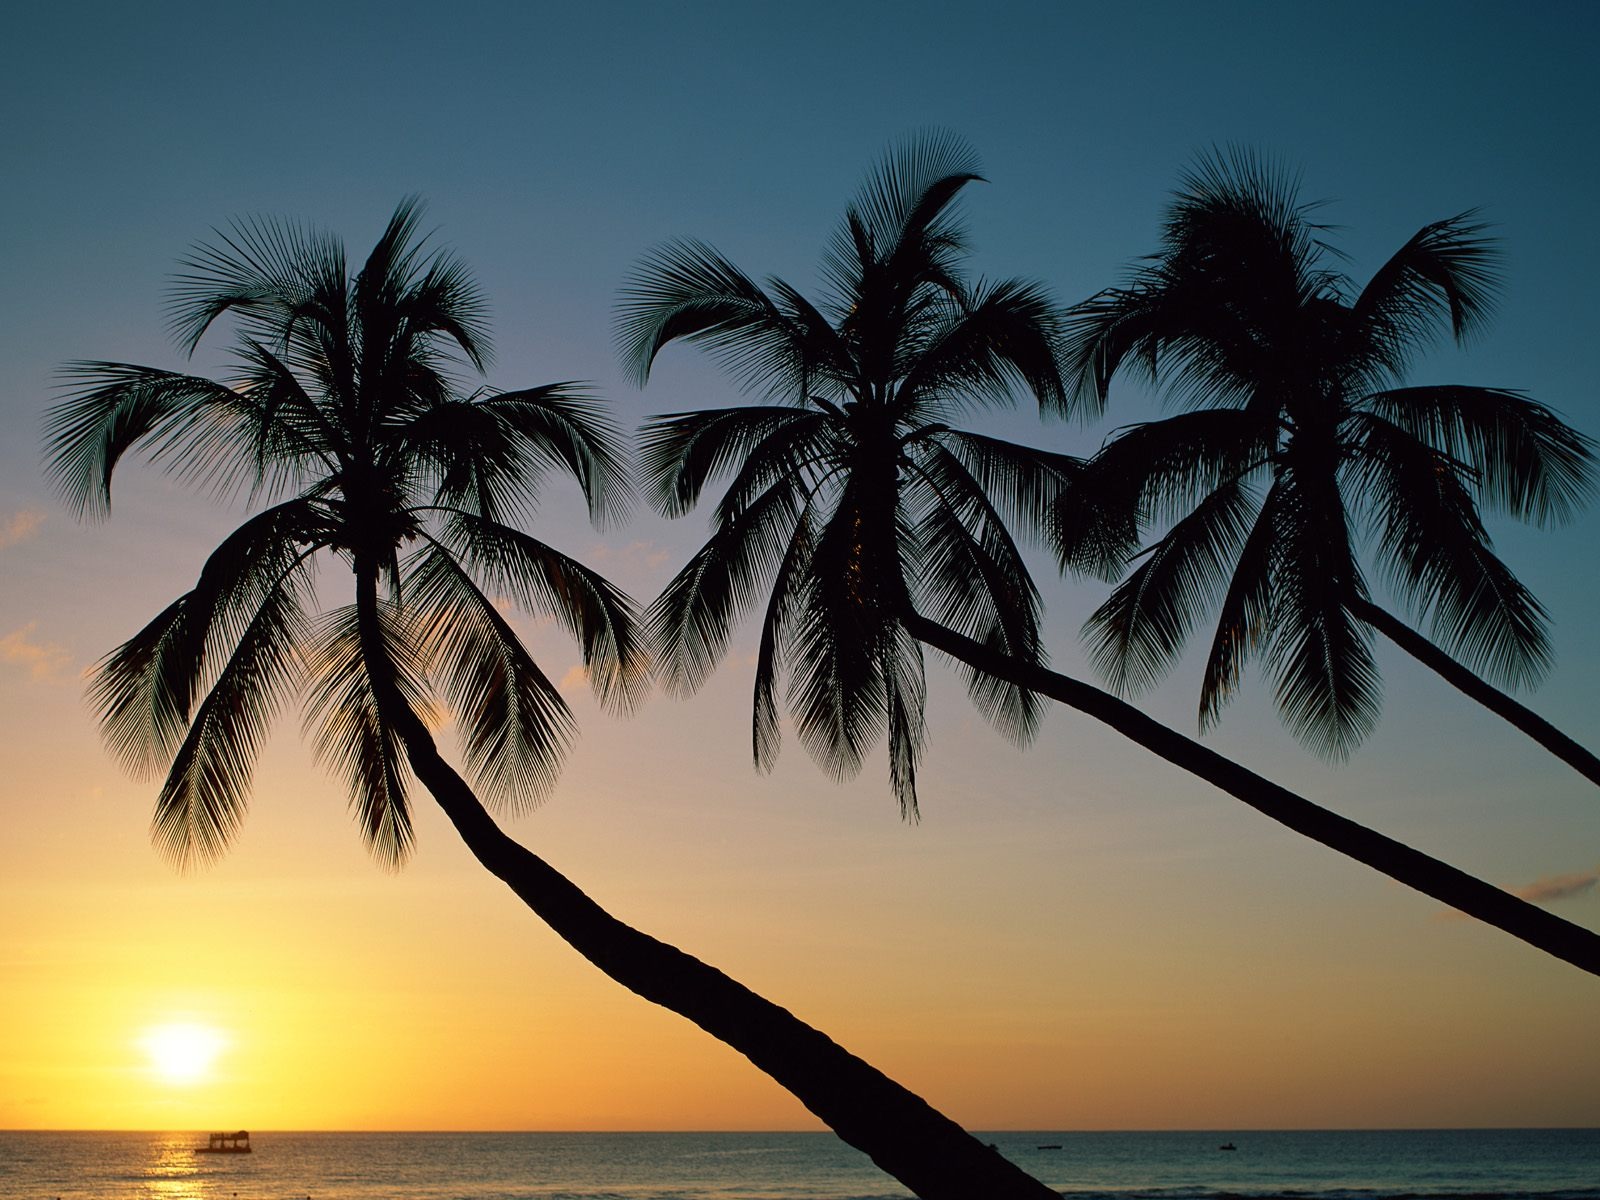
(853, 499)
(346, 420)
(1299, 444)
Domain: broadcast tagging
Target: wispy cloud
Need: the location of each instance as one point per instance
(576, 678)
(1559, 887)
(1550, 889)
(640, 552)
(20, 526)
(42, 660)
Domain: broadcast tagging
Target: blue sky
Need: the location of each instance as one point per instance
(556, 144)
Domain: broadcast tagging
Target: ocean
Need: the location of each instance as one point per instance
(1519, 1164)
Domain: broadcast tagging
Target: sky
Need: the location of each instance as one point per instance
(1075, 935)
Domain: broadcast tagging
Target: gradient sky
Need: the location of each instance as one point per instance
(1075, 935)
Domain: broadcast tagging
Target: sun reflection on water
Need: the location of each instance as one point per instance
(172, 1173)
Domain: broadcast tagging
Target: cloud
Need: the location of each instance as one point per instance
(640, 552)
(576, 677)
(1559, 887)
(1548, 890)
(19, 527)
(42, 660)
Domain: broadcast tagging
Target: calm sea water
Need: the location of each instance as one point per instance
(1523, 1164)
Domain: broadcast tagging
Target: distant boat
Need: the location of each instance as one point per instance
(1051, 1146)
(1227, 1146)
(226, 1143)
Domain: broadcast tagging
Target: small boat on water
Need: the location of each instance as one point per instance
(1227, 1146)
(226, 1143)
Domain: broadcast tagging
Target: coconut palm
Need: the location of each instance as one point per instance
(868, 524)
(1300, 443)
(347, 423)
(854, 497)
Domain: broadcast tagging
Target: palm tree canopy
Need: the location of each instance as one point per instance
(852, 495)
(1300, 446)
(348, 422)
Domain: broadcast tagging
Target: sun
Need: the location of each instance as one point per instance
(182, 1052)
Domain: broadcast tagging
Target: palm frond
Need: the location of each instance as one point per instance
(974, 579)
(1026, 485)
(293, 435)
(200, 430)
(347, 727)
(905, 702)
(1326, 680)
(540, 579)
(1292, 370)
(826, 360)
(844, 664)
(1163, 468)
(447, 302)
(788, 595)
(271, 274)
(571, 431)
(680, 453)
(1153, 473)
(902, 230)
(1446, 274)
(811, 455)
(207, 789)
(404, 297)
(1244, 618)
(690, 622)
(1208, 316)
(1526, 460)
(1004, 336)
(910, 190)
(490, 453)
(467, 458)
(837, 686)
(1137, 634)
(145, 690)
(1107, 333)
(1439, 558)
(686, 290)
(515, 727)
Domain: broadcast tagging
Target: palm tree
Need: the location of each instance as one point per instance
(854, 494)
(856, 509)
(1300, 441)
(346, 421)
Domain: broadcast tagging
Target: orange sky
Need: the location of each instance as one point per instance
(1072, 937)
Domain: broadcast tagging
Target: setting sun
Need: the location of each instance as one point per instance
(182, 1052)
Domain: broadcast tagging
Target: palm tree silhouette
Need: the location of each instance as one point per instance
(854, 494)
(853, 504)
(345, 418)
(1299, 441)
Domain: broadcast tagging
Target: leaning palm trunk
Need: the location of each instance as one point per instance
(1564, 940)
(1491, 697)
(348, 420)
(904, 1135)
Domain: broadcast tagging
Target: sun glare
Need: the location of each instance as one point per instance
(182, 1052)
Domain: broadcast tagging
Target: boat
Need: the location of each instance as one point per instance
(226, 1143)
(1227, 1146)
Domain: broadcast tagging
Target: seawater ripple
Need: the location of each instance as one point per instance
(1339, 1165)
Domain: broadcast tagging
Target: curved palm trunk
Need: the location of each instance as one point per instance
(1486, 694)
(1564, 940)
(898, 1130)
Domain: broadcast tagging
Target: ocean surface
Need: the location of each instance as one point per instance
(1521, 1164)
